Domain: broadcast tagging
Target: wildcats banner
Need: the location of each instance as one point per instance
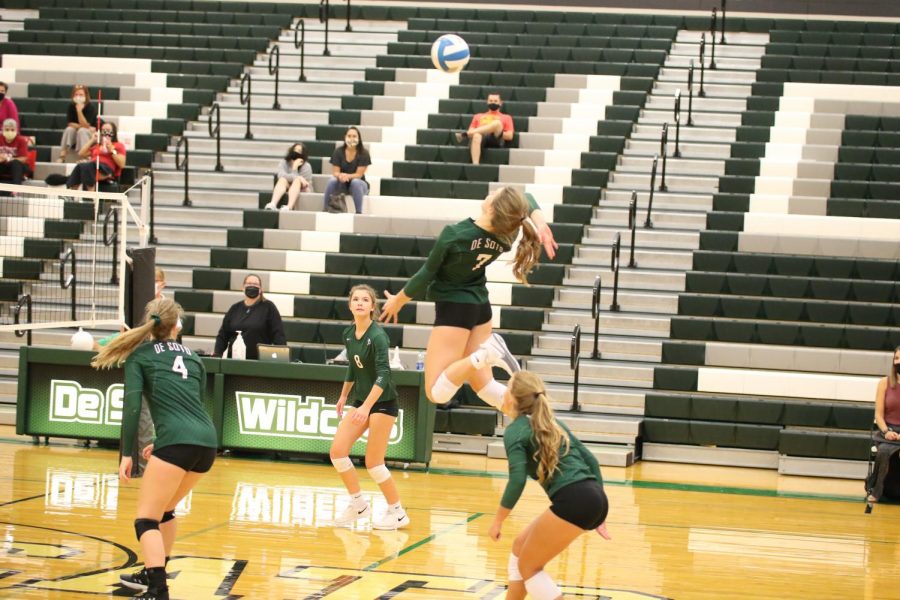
(300, 416)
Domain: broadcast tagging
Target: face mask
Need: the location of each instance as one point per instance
(2, 96)
(9, 135)
(108, 135)
(79, 99)
(251, 291)
(352, 143)
(493, 106)
(897, 369)
(158, 287)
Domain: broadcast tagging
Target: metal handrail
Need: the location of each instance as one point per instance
(300, 28)
(595, 314)
(648, 223)
(677, 115)
(186, 165)
(722, 39)
(71, 281)
(152, 237)
(324, 15)
(690, 119)
(575, 364)
(276, 53)
(245, 99)
(614, 267)
(216, 133)
(348, 28)
(632, 224)
(702, 92)
(663, 147)
(17, 309)
(712, 34)
(112, 240)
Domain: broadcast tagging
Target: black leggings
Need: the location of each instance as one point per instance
(85, 175)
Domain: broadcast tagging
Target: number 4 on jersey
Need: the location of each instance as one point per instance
(179, 367)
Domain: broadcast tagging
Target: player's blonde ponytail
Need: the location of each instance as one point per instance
(160, 318)
(511, 215)
(531, 399)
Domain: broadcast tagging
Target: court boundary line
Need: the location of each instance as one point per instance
(422, 542)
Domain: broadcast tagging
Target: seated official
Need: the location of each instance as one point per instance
(256, 318)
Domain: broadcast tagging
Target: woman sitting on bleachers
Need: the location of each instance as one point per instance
(109, 153)
(13, 155)
(887, 418)
(82, 117)
(294, 176)
(348, 169)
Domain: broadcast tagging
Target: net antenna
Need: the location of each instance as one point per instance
(66, 249)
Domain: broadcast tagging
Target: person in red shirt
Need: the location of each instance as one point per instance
(491, 129)
(8, 109)
(112, 159)
(13, 154)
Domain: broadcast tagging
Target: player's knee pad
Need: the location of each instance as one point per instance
(512, 568)
(443, 390)
(167, 516)
(142, 526)
(493, 393)
(541, 587)
(342, 464)
(379, 473)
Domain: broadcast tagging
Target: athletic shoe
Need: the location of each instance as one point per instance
(269, 206)
(136, 581)
(352, 514)
(460, 137)
(284, 208)
(498, 355)
(392, 520)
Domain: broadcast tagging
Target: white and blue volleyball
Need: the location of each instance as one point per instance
(450, 53)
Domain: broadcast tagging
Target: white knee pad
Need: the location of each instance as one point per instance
(541, 587)
(443, 389)
(379, 473)
(342, 464)
(493, 393)
(512, 568)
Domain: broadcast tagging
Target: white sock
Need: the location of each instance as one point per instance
(395, 507)
(478, 358)
(357, 499)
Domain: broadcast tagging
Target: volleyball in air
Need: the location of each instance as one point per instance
(449, 53)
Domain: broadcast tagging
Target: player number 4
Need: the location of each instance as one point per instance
(179, 367)
(480, 260)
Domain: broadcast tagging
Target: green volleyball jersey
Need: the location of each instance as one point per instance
(173, 379)
(369, 364)
(576, 465)
(455, 269)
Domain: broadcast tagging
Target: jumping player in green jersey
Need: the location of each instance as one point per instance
(374, 398)
(461, 346)
(173, 380)
(539, 446)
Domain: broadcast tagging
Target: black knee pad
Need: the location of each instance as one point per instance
(167, 516)
(142, 526)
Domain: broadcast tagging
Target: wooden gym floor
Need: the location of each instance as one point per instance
(259, 529)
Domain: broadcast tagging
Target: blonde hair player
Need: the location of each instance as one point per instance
(461, 346)
(539, 446)
(173, 379)
(374, 398)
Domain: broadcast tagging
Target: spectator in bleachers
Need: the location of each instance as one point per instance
(111, 153)
(13, 154)
(887, 419)
(491, 129)
(255, 317)
(348, 169)
(8, 108)
(294, 176)
(82, 118)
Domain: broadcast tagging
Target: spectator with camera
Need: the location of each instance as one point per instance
(106, 151)
(294, 175)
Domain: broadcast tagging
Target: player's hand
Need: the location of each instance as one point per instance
(147, 451)
(603, 532)
(360, 415)
(390, 309)
(550, 245)
(340, 406)
(494, 531)
(125, 469)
